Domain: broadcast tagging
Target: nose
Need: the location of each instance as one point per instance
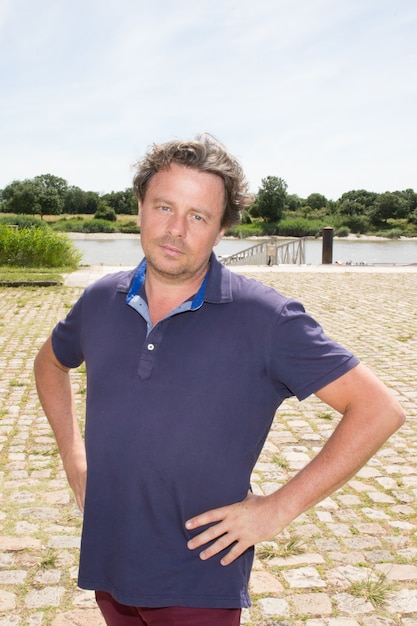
(177, 225)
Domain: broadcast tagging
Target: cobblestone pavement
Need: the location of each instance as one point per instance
(352, 560)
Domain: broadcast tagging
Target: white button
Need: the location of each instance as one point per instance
(150, 346)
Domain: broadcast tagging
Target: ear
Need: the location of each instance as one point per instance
(139, 219)
(219, 235)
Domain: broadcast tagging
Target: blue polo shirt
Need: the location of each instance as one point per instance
(176, 417)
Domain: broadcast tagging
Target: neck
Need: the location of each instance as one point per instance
(165, 293)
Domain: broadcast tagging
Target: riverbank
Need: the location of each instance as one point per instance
(126, 250)
(350, 237)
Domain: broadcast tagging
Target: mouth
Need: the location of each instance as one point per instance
(171, 248)
(171, 251)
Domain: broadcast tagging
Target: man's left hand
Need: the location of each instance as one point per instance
(238, 525)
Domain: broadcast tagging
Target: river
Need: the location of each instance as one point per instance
(126, 250)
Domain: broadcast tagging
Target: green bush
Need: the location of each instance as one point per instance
(343, 231)
(23, 221)
(128, 227)
(105, 212)
(98, 226)
(246, 218)
(393, 233)
(36, 247)
(299, 227)
(68, 226)
(86, 226)
(245, 230)
(356, 223)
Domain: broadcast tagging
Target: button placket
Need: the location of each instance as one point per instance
(149, 350)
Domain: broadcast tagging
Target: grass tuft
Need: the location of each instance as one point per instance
(292, 547)
(374, 588)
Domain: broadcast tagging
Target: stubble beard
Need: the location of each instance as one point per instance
(168, 269)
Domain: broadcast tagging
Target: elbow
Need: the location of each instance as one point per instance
(401, 417)
(396, 416)
(46, 362)
(37, 365)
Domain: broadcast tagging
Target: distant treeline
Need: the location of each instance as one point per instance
(274, 211)
(51, 195)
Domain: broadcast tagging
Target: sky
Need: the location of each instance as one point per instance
(322, 93)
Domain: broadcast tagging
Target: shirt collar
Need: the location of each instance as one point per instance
(217, 287)
(139, 280)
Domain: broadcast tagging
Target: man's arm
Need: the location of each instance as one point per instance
(370, 415)
(55, 393)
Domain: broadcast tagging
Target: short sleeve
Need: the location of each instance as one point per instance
(66, 338)
(303, 358)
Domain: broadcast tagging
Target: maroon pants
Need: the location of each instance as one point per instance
(117, 614)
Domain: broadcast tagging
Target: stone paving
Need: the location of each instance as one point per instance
(352, 560)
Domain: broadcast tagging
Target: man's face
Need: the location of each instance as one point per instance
(180, 221)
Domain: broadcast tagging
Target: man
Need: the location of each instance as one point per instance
(187, 363)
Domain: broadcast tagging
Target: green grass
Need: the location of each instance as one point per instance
(375, 590)
(279, 460)
(19, 275)
(89, 224)
(36, 247)
(48, 560)
(292, 547)
(266, 551)
(325, 415)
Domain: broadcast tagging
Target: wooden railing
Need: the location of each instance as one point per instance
(269, 253)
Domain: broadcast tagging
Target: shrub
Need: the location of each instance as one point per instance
(23, 221)
(98, 226)
(245, 230)
(128, 227)
(299, 227)
(394, 233)
(357, 223)
(36, 247)
(69, 226)
(105, 212)
(343, 231)
(86, 226)
(246, 218)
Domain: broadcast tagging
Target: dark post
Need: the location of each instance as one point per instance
(327, 251)
(271, 254)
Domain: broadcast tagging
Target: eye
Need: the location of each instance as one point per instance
(197, 218)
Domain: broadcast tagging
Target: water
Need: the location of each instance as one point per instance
(368, 252)
(128, 251)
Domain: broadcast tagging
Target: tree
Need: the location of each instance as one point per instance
(293, 202)
(316, 201)
(52, 193)
(270, 199)
(411, 196)
(78, 201)
(42, 195)
(22, 196)
(122, 201)
(92, 202)
(356, 202)
(74, 201)
(105, 212)
(51, 182)
(388, 205)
